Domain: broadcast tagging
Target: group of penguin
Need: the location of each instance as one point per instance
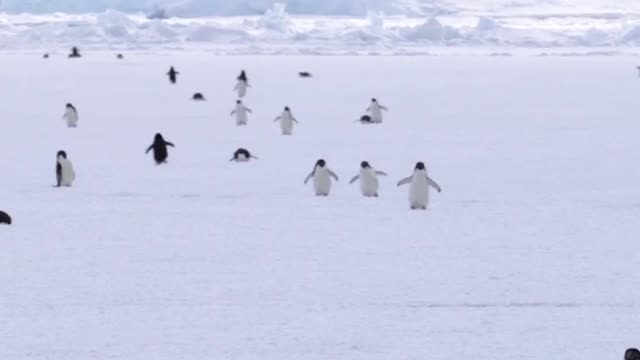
(419, 181)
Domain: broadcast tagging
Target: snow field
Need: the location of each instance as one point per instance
(529, 252)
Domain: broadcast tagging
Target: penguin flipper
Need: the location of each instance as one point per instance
(382, 173)
(169, 144)
(405, 180)
(434, 184)
(308, 177)
(354, 179)
(333, 175)
(149, 149)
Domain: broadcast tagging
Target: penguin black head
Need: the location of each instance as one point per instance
(62, 153)
(632, 354)
(238, 102)
(364, 165)
(321, 163)
(5, 218)
(120, 56)
(69, 105)
(158, 138)
(374, 100)
(286, 108)
(46, 56)
(420, 165)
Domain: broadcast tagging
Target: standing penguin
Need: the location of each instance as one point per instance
(64, 170)
(321, 175)
(375, 109)
(419, 189)
(242, 84)
(71, 116)
(242, 155)
(368, 179)
(241, 113)
(286, 121)
(75, 53)
(159, 147)
(5, 218)
(172, 75)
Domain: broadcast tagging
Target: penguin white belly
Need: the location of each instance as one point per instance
(322, 182)
(241, 117)
(72, 119)
(286, 124)
(67, 173)
(368, 184)
(242, 88)
(376, 115)
(419, 192)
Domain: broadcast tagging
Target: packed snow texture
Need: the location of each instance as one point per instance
(530, 252)
(322, 27)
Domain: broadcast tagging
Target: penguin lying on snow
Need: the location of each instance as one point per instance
(120, 56)
(65, 175)
(71, 116)
(321, 175)
(368, 179)
(632, 354)
(5, 218)
(45, 56)
(198, 97)
(159, 146)
(365, 119)
(419, 189)
(242, 155)
(304, 74)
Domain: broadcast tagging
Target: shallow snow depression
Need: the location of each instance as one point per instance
(530, 250)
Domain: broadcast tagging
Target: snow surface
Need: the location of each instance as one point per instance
(400, 27)
(530, 251)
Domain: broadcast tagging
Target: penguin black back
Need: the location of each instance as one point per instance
(60, 154)
(242, 76)
(420, 165)
(304, 74)
(632, 354)
(120, 56)
(45, 56)
(198, 97)
(5, 218)
(365, 119)
(159, 147)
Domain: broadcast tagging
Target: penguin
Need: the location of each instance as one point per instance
(321, 175)
(120, 56)
(172, 75)
(5, 218)
(286, 121)
(65, 175)
(364, 119)
(242, 155)
(159, 147)
(241, 113)
(632, 354)
(304, 74)
(75, 53)
(375, 109)
(45, 56)
(419, 189)
(368, 179)
(198, 97)
(242, 84)
(71, 116)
